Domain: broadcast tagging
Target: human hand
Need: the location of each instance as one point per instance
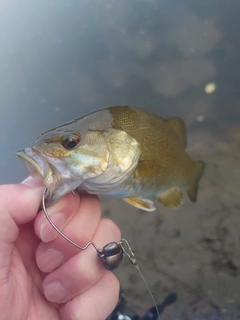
(42, 276)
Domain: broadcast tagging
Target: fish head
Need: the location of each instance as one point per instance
(64, 159)
(95, 160)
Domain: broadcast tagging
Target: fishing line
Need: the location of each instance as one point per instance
(111, 254)
(133, 260)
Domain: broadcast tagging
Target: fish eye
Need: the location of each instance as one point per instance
(70, 142)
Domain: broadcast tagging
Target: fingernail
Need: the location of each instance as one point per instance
(47, 233)
(55, 292)
(50, 259)
(33, 182)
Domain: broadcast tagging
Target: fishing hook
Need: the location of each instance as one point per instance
(111, 254)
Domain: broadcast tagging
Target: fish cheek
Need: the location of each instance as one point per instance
(84, 165)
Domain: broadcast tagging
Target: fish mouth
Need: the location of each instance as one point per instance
(55, 177)
(39, 167)
(35, 164)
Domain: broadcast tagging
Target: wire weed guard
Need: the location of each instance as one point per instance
(111, 256)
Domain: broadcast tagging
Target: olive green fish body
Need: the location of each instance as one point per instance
(120, 151)
(163, 163)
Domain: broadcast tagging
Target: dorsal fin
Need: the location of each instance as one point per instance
(178, 125)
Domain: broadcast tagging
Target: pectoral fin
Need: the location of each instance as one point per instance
(171, 198)
(140, 203)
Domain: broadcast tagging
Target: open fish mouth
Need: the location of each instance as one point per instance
(38, 166)
(34, 163)
(55, 177)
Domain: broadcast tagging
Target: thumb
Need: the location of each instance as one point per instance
(21, 201)
(18, 204)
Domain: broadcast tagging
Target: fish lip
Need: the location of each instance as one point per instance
(37, 165)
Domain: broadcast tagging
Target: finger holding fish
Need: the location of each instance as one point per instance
(82, 216)
(61, 213)
(82, 270)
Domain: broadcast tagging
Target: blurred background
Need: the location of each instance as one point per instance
(61, 59)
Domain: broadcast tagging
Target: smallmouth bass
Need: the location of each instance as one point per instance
(120, 151)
